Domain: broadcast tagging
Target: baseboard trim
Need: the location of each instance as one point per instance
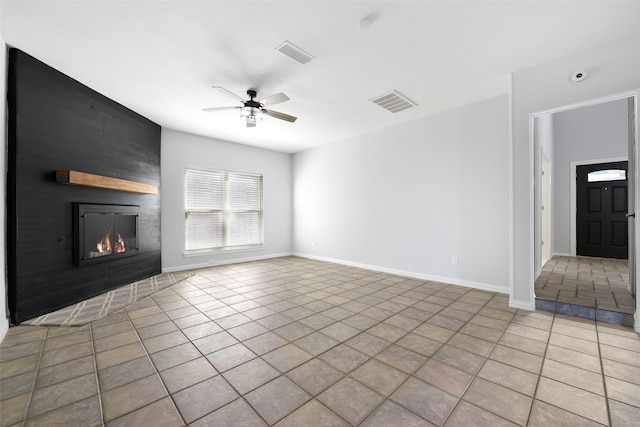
(522, 305)
(4, 328)
(412, 274)
(224, 262)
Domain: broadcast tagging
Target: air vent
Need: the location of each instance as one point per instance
(295, 53)
(394, 102)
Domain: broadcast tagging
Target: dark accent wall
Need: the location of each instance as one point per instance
(57, 123)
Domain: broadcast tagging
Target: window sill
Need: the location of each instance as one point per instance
(202, 252)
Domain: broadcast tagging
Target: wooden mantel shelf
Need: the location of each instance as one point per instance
(99, 181)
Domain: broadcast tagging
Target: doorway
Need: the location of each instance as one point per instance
(601, 210)
(588, 147)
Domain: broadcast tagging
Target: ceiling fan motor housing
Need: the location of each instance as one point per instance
(252, 102)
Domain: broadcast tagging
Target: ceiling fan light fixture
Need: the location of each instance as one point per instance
(251, 113)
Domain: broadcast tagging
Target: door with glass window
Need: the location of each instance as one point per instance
(601, 217)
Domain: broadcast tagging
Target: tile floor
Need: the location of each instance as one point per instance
(600, 283)
(297, 342)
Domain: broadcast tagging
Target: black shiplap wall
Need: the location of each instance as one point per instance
(57, 123)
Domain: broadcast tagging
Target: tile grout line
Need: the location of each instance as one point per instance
(218, 373)
(409, 376)
(240, 395)
(35, 377)
(475, 375)
(421, 365)
(571, 385)
(95, 371)
(148, 356)
(604, 381)
(442, 344)
(156, 372)
(544, 359)
(334, 321)
(345, 375)
(172, 320)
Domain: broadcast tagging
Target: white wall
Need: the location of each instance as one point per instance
(589, 133)
(4, 323)
(613, 68)
(409, 198)
(179, 150)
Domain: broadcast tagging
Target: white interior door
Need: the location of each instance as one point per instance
(545, 223)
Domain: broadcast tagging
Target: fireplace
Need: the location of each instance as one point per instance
(104, 232)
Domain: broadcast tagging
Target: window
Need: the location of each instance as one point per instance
(607, 175)
(223, 210)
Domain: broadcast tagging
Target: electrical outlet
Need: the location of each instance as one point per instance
(455, 261)
(313, 243)
(321, 245)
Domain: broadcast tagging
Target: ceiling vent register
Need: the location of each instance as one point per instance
(393, 101)
(295, 53)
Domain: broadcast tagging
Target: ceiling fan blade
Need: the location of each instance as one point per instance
(228, 92)
(220, 109)
(279, 115)
(275, 99)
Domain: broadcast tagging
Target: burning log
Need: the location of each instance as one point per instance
(119, 248)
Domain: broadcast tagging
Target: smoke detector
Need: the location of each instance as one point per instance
(579, 76)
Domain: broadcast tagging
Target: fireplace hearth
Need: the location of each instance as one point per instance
(104, 232)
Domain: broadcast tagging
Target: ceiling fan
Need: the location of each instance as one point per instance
(253, 110)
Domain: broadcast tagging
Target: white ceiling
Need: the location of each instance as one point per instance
(160, 58)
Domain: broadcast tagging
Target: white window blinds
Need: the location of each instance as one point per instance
(223, 210)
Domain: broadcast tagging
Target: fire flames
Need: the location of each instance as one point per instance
(119, 244)
(104, 245)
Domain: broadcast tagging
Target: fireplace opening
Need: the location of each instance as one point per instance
(104, 232)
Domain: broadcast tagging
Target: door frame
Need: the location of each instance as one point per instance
(546, 231)
(533, 171)
(574, 208)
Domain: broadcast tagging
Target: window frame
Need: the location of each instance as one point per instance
(226, 211)
(605, 175)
